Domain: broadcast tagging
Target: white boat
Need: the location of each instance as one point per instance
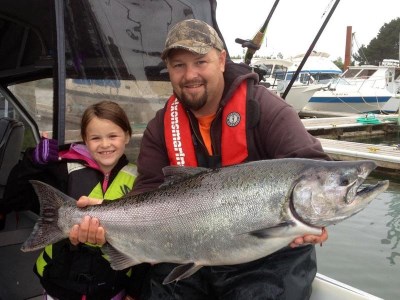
(274, 78)
(361, 89)
(318, 65)
(316, 73)
(326, 288)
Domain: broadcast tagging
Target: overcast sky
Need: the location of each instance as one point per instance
(295, 24)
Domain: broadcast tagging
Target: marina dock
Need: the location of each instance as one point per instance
(387, 157)
(354, 125)
(330, 130)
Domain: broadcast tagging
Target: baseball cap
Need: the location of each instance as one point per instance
(192, 35)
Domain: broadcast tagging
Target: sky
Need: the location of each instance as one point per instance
(295, 24)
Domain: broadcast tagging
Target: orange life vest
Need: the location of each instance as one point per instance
(178, 136)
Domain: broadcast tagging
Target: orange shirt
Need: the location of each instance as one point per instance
(205, 125)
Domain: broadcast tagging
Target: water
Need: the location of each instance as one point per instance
(364, 251)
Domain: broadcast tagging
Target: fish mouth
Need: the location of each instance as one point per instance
(355, 202)
(370, 190)
(357, 190)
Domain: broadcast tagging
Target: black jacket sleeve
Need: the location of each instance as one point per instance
(19, 194)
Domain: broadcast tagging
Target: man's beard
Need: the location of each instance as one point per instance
(193, 103)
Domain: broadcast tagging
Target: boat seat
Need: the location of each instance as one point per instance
(11, 137)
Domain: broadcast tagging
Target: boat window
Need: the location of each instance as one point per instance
(324, 77)
(280, 72)
(21, 44)
(397, 74)
(36, 98)
(9, 109)
(366, 73)
(139, 98)
(121, 61)
(6, 109)
(105, 60)
(304, 78)
(267, 69)
(370, 72)
(351, 73)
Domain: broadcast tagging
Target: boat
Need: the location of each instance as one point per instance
(386, 75)
(315, 75)
(360, 89)
(319, 66)
(59, 57)
(326, 288)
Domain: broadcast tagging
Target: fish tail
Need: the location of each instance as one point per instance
(46, 230)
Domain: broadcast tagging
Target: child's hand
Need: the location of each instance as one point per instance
(46, 151)
(89, 230)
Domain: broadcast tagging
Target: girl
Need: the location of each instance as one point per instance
(97, 169)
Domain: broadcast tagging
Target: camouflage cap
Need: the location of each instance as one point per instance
(192, 35)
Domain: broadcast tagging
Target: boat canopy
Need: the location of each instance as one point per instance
(59, 56)
(95, 45)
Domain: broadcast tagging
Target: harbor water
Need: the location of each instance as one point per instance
(364, 251)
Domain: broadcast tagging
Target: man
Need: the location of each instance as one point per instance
(218, 116)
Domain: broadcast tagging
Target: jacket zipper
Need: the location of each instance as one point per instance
(211, 131)
(196, 134)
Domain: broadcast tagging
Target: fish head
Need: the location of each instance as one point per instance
(329, 192)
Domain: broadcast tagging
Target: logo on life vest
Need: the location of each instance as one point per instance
(176, 134)
(233, 119)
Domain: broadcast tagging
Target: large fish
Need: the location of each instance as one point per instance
(206, 217)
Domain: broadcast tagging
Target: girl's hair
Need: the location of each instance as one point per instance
(107, 110)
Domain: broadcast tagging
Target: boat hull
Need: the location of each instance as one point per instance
(347, 102)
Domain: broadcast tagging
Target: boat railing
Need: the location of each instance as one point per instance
(361, 83)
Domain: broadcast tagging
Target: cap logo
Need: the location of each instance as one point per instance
(233, 119)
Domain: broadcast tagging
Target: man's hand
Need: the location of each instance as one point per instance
(89, 230)
(310, 239)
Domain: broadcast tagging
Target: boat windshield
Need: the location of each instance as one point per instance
(104, 60)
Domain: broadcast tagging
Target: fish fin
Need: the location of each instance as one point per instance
(274, 231)
(118, 260)
(175, 174)
(182, 272)
(46, 230)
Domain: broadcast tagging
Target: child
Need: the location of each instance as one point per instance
(97, 169)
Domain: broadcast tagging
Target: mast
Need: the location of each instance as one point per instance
(347, 53)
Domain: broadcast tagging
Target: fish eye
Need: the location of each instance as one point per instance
(344, 182)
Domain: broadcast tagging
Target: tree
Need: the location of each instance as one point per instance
(339, 63)
(385, 45)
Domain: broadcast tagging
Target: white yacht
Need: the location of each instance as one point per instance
(315, 75)
(361, 89)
